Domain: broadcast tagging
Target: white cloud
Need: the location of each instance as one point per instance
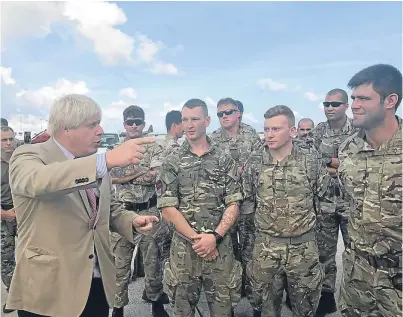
(296, 114)
(29, 18)
(249, 116)
(44, 97)
(164, 69)
(96, 21)
(6, 75)
(268, 83)
(128, 92)
(147, 48)
(312, 96)
(29, 122)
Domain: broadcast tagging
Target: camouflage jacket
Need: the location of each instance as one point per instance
(6, 198)
(327, 141)
(138, 190)
(201, 188)
(240, 147)
(373, 179)
(170, 145)
(287, 193)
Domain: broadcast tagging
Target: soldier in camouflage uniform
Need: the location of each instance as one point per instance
(199, 193)
(371, 171)
(239, 140)
(173, 122)
(287, 178)
(327, 137)
(135, 190)
(8, 219)
(305, 126)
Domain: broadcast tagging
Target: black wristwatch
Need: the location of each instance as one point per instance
(218, 238)
(328, 161)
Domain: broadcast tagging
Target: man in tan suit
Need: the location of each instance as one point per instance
(65, 209)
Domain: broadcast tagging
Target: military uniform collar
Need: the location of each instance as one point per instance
(224, 134)
(346, 128)
(4, 157)
(268, 158)
(363, 145)
(186, 146)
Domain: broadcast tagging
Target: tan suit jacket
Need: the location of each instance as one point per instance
(55, 251)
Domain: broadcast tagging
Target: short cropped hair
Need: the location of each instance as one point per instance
(5, 128)
(227, 101)
(281, 110)
(4, 122)
(194, 103)
(134, 112)
(173, 117)
(306, 119)
(341, 92)
(385, 80)
(71, 111)
(240, 106)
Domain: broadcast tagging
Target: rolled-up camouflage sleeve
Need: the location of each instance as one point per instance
(167, 183)
(233, 191)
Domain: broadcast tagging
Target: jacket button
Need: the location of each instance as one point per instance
(91, 256)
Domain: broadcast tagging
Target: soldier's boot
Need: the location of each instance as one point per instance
(158, 309)
(327, 304)
(257, 313)
(6, 310)
(164, 299)
(117, 312)
(145, 298)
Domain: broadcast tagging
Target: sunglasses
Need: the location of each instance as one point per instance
(138, 122)
(229, 112)
(334, 104)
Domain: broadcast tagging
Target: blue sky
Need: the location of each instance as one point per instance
(158, 55)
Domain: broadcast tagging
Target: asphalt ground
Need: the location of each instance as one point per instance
(138, 308)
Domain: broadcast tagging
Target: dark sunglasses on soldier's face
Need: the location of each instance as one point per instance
(229, 112)
(138, 122)
(334, 104)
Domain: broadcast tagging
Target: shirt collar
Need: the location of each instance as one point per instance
(66, 152)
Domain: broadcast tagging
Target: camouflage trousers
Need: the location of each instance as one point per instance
(327, 237)
(154, 249)
(186, 273)
(368, 292)
(8, 234)
(275, 266)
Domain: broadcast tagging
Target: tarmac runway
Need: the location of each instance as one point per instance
(138, 308)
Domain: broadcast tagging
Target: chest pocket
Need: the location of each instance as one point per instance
(281, 185)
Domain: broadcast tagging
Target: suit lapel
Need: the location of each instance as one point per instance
(57, 155)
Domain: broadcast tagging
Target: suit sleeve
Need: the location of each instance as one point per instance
(31, 177)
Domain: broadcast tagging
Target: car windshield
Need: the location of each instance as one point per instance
(109, 139)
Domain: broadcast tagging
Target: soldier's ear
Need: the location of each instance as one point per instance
(293, 131)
